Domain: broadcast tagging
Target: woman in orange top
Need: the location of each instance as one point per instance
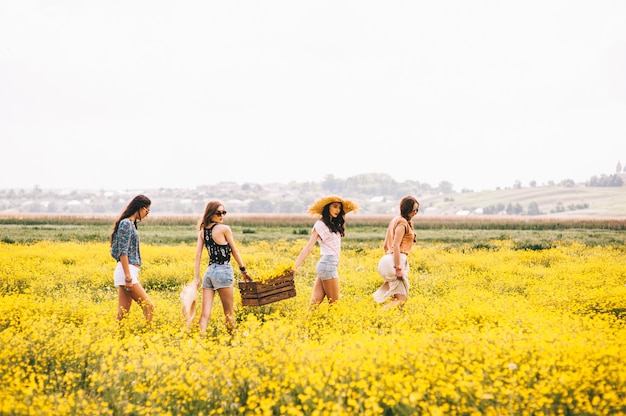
(393, 267)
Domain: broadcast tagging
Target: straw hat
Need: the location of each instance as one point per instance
(318, 206)
(188, 297)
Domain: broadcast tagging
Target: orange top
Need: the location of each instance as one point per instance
(407, 239)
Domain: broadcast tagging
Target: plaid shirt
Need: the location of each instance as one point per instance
(126, 242)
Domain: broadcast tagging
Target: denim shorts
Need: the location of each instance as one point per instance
(327, 267)
(218, 276)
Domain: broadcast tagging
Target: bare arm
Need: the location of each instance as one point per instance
(228, 234)
(306, 250)
(128, 280)
(199, 250)
(397, 239)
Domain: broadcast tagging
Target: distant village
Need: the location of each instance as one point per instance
(376, 194)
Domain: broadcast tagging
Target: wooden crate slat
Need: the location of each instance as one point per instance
(252, 295)
(266, 292)
(260, 288)
(273, 290)
(271, 282)
(268, 299)
(266, 289)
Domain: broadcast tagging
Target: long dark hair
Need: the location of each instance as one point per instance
(209, 211)
(137, 203)
(337, 224)
(406, 206)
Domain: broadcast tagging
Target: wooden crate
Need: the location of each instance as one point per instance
(275, 289)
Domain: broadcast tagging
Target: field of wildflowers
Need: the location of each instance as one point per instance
(489, 330)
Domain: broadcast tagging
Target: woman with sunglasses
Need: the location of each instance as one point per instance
(220, 244)
(393, 267)
(125, 249)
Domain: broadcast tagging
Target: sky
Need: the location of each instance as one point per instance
(144, 94)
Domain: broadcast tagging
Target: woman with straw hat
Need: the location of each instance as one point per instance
(328, 231)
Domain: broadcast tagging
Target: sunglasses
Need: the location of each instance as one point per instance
(220, 213)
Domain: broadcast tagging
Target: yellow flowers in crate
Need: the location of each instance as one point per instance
(272, 277)
(266, 261)
(265, 271)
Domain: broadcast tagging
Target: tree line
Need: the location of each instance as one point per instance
(377, 194)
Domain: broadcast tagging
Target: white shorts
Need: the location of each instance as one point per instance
(387, 269)
(119, 278)
(391, 285)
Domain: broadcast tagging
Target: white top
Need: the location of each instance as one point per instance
(330, 243)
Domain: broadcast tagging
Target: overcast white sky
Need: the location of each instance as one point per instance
(140, 94)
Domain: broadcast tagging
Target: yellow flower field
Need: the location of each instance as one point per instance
(490, 331)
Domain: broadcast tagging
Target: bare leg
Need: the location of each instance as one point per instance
(227, 298)
(207, 305)
(124, 300)
(324, 288)
(331, 288)
(138, 294)
(318, 293)
(397, 300)
(141, 297)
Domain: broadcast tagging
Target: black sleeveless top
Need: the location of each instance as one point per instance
(218, 253)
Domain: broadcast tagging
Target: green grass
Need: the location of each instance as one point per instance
(475, 231)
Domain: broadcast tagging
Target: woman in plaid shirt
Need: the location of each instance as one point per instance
(125, 249)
